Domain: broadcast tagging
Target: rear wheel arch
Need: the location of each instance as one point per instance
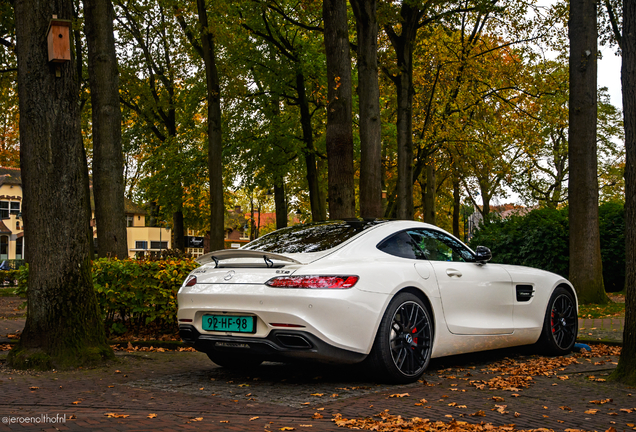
(422, 296)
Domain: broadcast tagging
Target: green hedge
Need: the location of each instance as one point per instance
(8, 278)
(540, 239)
(134, 294)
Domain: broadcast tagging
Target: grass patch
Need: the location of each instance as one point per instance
(611, 310)
(7, 292)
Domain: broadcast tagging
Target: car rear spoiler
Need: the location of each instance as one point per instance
(219, 255)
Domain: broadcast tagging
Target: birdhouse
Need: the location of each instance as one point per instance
(59, 40)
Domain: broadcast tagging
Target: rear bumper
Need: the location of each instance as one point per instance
(277, 345)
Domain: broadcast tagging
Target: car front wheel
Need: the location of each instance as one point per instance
(402, 347)
(560, 325)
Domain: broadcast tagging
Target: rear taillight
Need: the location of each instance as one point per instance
(190, 281)
(336, 282)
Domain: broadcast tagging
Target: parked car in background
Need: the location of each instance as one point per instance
(389, 294)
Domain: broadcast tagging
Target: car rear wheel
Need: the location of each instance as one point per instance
(402, 348)
(234, 361)
(560, 325)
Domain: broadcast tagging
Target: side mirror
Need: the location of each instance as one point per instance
(482, 254)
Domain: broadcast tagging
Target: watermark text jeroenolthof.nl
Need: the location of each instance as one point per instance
(41, 419)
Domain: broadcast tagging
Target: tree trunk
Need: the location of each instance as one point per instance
(339, 135)
(369, 106)
(626, 369)
(215, 139)
(64, 326)
(586, 270)
(456, 206)
(428, 195)
(403, 46)
(178, 231)
(405, 141)
(280, 203)
(318, 212)
(108, 160)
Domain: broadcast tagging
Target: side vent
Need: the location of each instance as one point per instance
(524, 293)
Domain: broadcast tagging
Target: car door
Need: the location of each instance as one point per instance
(477, 299)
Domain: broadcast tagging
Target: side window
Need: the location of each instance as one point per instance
(401, 245)
(438, 246)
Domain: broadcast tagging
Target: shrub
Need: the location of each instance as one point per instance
(134, 294)
(540, 239)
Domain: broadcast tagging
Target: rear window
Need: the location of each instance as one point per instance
(315, 237)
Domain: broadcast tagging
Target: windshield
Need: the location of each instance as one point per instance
(314, 237)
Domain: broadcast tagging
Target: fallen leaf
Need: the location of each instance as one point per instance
(287, 428)
(627, 410)
(318, 394)
(33, 388)
(223, 421)
(316, 416)
(479, 413)
(77, 402)
(517, 414)
(591, 411)
(601, 402)
(306, 425)
(498, 399)
(565, 408)
(399, 395)
(114, 415)
(254, 418)
(152, 415)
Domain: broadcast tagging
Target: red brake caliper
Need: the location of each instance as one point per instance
(414, 339)
(552, 320)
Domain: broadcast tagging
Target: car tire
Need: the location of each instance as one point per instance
(560, 324)
(234, 361)
(404, 341)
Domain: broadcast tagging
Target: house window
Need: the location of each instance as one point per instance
(17, 225)
(15, 207)
(4, 209)
(158, 245)
(18, 248)
(141, 244)
(129, 220)
(4, 247)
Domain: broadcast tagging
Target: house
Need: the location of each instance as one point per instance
(141, 239)
(11, 225)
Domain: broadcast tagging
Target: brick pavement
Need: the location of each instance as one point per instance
(275, 396)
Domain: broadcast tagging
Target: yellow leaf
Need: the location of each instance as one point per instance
(399, 395)
(287, 428)
(254, 418)
(152, 415)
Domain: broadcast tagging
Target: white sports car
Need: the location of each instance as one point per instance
(391, 294)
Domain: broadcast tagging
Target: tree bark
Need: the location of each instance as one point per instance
(428, 196)
(586, 270)
(280, 204)
(215, 139)
(339, 134)
(317, 203)
(456, 205)
(64, 326)
(108, 159)
(403, 46)
(369, 106)
(626, 369)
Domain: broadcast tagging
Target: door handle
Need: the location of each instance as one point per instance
(453, 273)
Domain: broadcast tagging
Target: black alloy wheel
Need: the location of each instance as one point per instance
(403, 344)
(560, 325)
